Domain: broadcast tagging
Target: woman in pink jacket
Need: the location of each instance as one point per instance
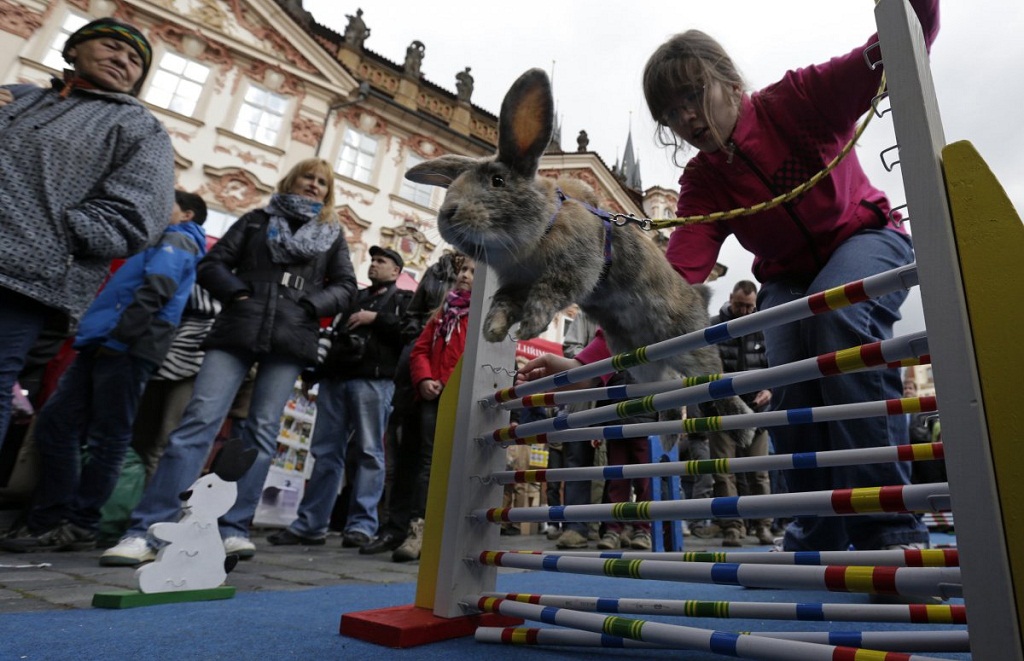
(431, 362)
(751, 148)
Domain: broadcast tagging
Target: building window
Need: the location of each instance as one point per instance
(177, 84)
(358, 154)
(420, 194)
(261, 115)
(53, 57)
(218, 222)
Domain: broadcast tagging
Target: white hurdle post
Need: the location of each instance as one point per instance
(483, 371)
(987, 580)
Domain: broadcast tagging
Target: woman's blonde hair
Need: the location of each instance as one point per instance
(687, 60)
(319, 166)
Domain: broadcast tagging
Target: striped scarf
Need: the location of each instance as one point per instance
(454, 308)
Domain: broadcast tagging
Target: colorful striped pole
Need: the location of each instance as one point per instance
(891, 558)
(907, 581)
(867, 500)
(884, 283)
(902, 406)
(876, 355)
(894, 641)
(640, 390)
(763, 610)
(823, 459)
(682, 637)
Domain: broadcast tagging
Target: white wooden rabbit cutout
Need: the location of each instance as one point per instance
(549, 248)
(194, 557)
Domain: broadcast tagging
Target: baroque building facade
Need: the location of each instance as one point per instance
(247, 88)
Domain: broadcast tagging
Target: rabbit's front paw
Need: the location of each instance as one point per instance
(532, 326)
(496, 325)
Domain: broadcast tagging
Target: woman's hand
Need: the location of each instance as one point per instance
(429, 389)
(549, 364)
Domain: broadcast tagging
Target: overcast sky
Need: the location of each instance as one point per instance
(597, 50)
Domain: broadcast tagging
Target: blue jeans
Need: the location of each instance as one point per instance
(867, 253)
(21, 321)
(94, 405)
(346, 408)
(217, 383)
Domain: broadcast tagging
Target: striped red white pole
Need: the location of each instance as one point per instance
(907, 581)
(891, 558)
(866, 500)
(836, 298)
(823, 459)
(763, 610)
(884, 354)
(639, 390)
(677, 636)
(893, 641)
(901, 406)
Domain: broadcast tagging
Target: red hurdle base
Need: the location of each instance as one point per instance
(409, 626)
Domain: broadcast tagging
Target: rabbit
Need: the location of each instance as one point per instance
(194, 558)
(548, 249)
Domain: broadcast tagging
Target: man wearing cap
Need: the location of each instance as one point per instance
(354, 401)
(87, 176)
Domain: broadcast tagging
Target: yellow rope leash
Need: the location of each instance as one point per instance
(664, 223)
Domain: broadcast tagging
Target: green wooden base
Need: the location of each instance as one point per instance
(134, 598)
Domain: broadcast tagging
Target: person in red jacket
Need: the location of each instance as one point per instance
(751, 148)
(431, 363)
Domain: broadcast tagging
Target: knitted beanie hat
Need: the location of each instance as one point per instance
(113, 28)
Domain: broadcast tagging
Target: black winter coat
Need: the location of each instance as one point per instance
(282, 314)
(741, 353)
(382, 338)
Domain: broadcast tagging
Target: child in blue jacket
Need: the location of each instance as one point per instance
(121, 340)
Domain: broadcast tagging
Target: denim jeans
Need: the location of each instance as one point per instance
(218, 380)
(346, 409)
(94, 405)
(862, 255)
(21, 321)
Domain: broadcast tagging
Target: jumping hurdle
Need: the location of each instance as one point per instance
(974, 364)
(968, 237)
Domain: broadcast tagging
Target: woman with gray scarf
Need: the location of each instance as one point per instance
(277, 271)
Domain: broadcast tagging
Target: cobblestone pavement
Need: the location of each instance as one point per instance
(54, 581)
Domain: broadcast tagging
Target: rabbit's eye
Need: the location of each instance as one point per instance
(497, 181)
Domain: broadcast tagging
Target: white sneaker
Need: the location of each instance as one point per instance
(240, 546)
(410, 548)
(129, 552)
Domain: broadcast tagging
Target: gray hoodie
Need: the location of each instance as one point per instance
(83, 180)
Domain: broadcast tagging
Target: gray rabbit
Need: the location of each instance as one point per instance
(548, 247)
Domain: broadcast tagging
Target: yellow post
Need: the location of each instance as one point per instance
(990, 245)
(440, 465)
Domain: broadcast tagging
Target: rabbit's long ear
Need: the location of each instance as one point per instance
(233, 460)
(526, 122)
(440, 171)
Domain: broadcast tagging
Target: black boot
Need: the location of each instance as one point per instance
(388, 540)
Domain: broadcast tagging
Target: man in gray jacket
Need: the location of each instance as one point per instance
(86, 176)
